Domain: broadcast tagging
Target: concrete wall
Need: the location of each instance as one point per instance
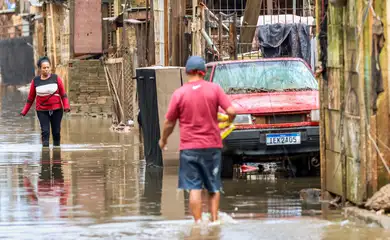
(88, 91)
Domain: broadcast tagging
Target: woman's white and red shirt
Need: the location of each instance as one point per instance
(49, 94)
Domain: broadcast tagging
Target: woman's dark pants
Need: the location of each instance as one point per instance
(53, 119)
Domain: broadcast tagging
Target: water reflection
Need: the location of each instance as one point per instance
(50, 193)
(96, 187)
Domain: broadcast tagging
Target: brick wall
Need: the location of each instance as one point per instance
(88, 92)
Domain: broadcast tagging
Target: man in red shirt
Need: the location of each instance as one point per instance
(196, 105)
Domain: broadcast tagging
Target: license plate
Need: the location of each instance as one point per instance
(283, 139)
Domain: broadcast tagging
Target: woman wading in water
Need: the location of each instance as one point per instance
(51, 102)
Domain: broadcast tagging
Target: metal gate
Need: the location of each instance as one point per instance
(242, 29)
(122, 88)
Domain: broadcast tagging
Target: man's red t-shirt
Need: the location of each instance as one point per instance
(196, 105)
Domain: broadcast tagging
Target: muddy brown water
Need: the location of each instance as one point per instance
(96, 187)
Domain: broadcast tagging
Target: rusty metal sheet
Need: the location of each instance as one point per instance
(87, 27)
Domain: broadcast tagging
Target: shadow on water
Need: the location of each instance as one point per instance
(152, 193)
(96, 187)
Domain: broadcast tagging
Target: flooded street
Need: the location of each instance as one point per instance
(95, 187)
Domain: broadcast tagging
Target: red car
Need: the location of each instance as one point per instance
(277, 104)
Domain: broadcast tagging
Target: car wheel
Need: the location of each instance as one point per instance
(227, 166)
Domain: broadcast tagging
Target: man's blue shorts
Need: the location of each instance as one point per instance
(200, 168)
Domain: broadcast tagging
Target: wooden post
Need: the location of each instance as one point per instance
(220, 34)
(134, 94)
(166, 34)
(362, 102)
(151, 31)
(343, 95)
(370, 150)
(53, 37)
(71, 28)
(322, 110)
(195, 29)
(251, 17)
(270, 7)
(147, 33)
(117, 11)
(124, 30)
(234, 35)
(178, 30)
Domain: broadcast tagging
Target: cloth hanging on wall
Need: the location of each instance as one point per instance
(281, 39)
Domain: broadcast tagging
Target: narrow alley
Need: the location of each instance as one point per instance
(294, 116)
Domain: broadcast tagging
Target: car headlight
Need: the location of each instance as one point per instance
(243, 119)
(315, 115)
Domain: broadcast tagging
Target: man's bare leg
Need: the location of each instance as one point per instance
(205, 201)
(196, 204)
(214, 205)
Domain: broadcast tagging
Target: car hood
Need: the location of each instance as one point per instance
(275, 102)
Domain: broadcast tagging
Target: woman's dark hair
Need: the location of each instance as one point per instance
(42, 60)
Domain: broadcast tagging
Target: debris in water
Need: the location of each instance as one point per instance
(122, 128)
(310, 195)
(380, 200)
(335, 201)
(130, 123)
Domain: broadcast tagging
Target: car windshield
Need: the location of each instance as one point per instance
(264, 76)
